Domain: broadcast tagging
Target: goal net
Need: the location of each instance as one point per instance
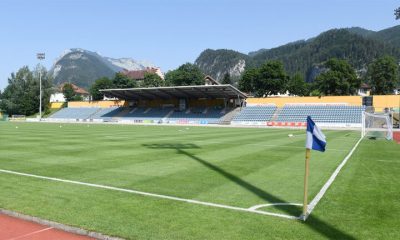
(377, 126)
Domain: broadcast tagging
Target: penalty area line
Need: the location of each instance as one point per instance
(155, 195)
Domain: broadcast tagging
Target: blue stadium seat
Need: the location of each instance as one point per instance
(321, 113)
(211, 115)
(255, 113)
(75, 113)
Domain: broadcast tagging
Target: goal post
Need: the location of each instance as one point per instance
(376, 125)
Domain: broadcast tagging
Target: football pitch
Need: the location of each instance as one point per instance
(184, 182)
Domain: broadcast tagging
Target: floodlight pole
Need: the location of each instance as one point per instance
(40, 56)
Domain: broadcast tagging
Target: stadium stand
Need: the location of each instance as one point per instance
(256, 113)
(106, 113)
(75, 113)
(143, 113)
(219, 104)
(321, 113)
(329, 113)
(198, 115)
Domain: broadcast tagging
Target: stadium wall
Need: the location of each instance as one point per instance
(56, 105)
(281, 101)
(379, 102)
(386, 101)
(101, 104)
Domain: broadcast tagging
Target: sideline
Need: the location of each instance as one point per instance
(323, 190)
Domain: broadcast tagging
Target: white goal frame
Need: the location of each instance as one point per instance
(369, 127)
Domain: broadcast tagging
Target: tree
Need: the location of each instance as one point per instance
(185, 75)
(122, 81)
(152, 80)
(383, 75)
(227, 79)
(246, 82)
(272, 78)
(68, 92)
(397, 13)
(315, 93)
(269, 79)
(101, 83)
(77, 98)
(297, 85)
(339, 79)
(21, 96)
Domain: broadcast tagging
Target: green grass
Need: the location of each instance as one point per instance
(50, 112)
(231, 166)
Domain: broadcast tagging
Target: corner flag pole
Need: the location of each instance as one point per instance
(305, 203)
(315, 140)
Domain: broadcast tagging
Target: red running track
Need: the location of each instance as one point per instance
(396, 136)
(16, 229)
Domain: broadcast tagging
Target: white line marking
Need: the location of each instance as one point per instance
(323, 190)
(29, 234)
(150, 194)
(274, 204)
(388, 161)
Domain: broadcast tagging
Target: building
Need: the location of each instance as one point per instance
(58, 96)
(139, 74)
(364, 90)
(208, 80)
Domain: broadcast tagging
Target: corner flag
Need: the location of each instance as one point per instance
(315, 138)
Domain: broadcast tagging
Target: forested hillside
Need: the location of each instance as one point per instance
(359, 46)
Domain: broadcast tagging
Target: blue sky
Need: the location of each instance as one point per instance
(171, 32)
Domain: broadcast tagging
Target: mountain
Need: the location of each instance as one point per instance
(390, 35)
(361, 31)
(218, 62)
(357, 45)
(82, 67)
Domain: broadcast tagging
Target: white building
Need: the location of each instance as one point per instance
(57, 97)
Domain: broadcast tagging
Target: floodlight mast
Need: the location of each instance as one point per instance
(40, 56)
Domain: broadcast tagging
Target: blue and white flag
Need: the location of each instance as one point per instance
(315, 138)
